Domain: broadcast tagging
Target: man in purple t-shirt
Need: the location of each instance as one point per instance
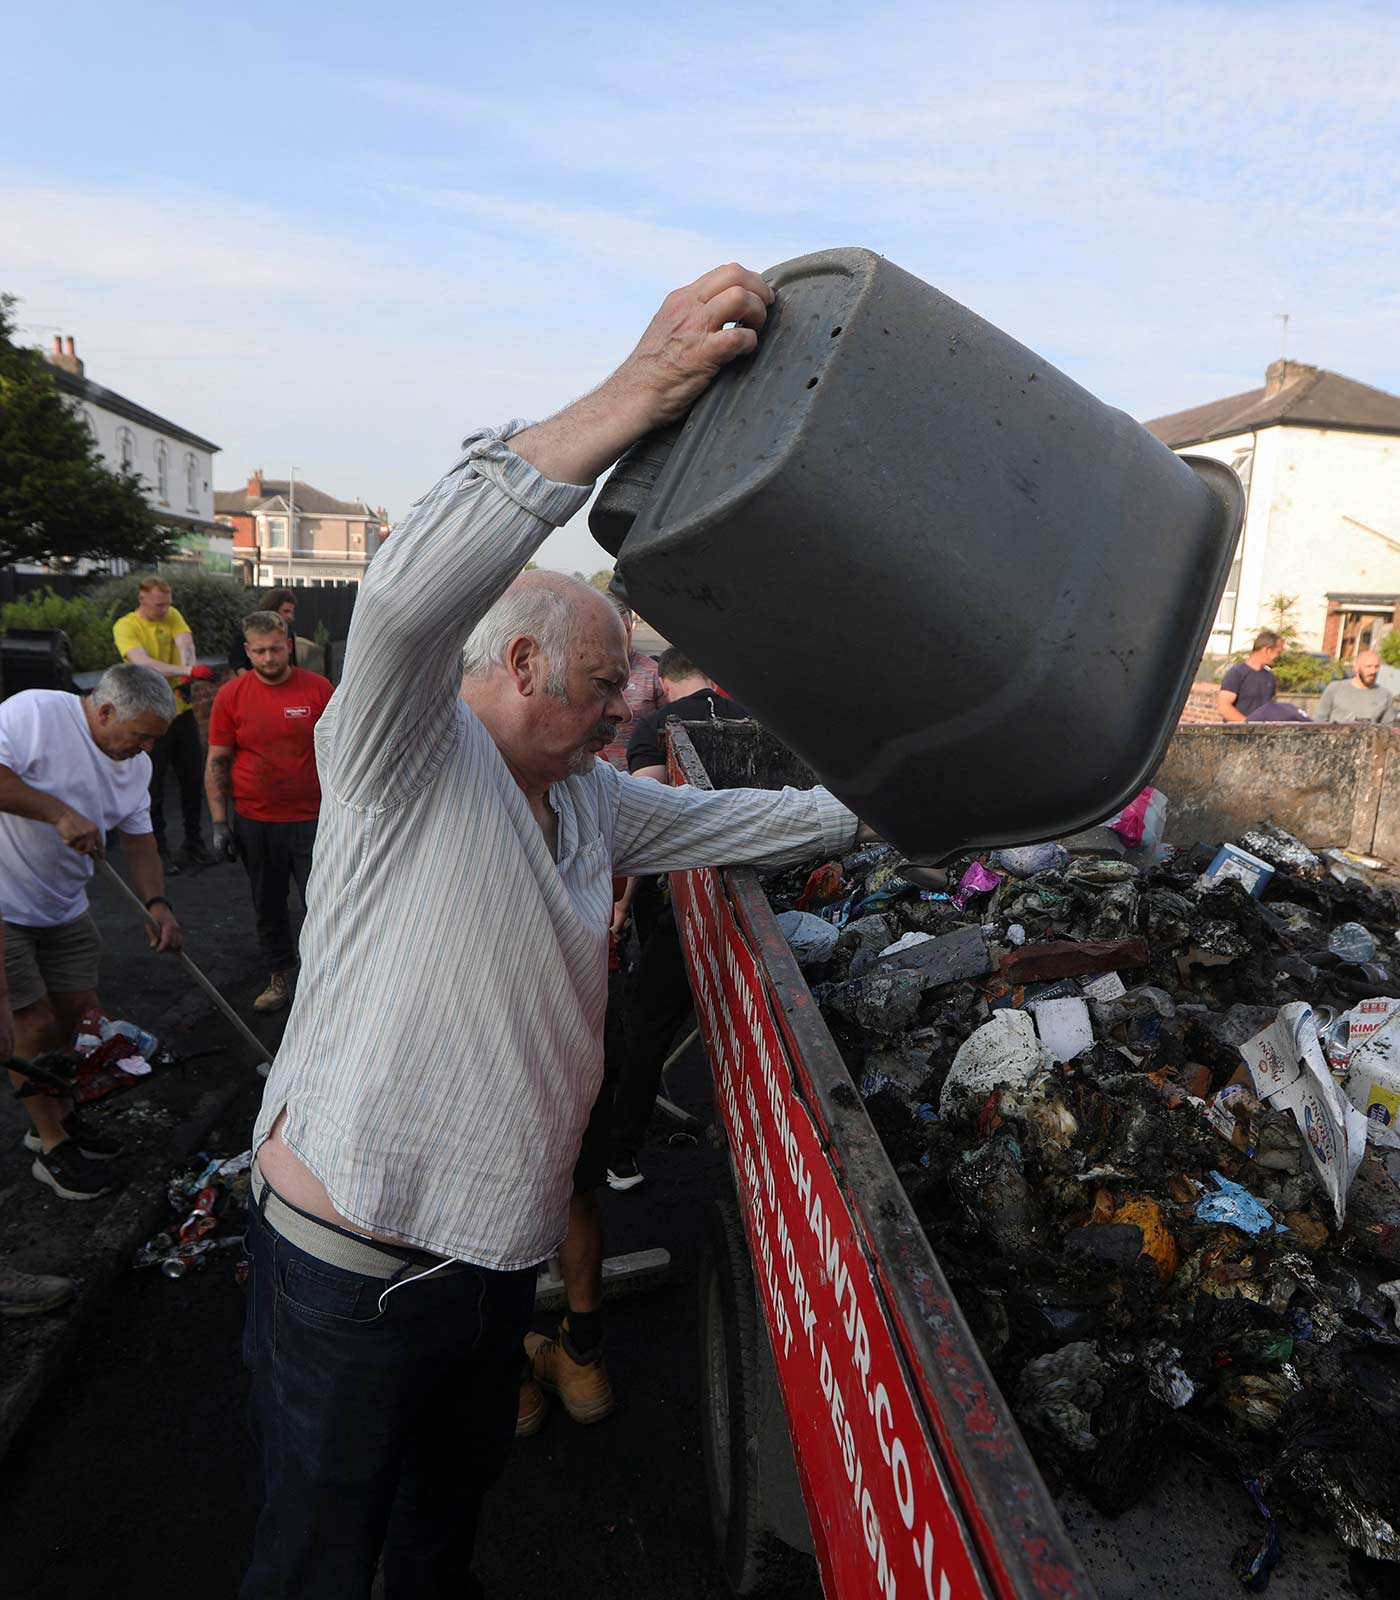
(1250, 684)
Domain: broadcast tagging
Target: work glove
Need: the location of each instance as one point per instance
(225, 841)
(184, 687)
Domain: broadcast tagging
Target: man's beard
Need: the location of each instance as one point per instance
(581, 761)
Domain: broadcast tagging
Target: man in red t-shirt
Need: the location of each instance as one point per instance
(261, 752)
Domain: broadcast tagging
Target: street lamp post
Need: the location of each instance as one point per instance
(291, 522)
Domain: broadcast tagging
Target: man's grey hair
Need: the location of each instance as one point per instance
(547, 607)
(134, 691)
(264, 622)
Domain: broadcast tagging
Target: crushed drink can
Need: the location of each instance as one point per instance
(184, 1259)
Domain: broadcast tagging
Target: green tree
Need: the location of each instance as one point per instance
(58, 502)
(1389, 648)
(1281, 615)
(602, 578)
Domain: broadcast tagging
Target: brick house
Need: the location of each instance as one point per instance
(1319, 456)
(289, 532)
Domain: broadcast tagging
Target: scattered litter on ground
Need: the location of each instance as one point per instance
(1143, 1105)
(106, 1057)
(211, 1201)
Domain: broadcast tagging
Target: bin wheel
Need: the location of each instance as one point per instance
(754, 1561)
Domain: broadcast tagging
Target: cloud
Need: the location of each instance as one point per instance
(632, 245)
(1133, 192)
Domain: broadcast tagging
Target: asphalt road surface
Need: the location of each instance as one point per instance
(133, 1480)
(132, 1476)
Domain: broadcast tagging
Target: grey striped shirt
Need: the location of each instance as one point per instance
(445, 1046)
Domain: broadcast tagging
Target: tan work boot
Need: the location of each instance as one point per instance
(530, 1414)
(275, 996)
(582, 1386)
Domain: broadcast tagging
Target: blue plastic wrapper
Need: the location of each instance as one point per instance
(1254, 1567)
(1237, 1206)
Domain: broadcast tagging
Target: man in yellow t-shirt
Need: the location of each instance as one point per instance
(156, 635)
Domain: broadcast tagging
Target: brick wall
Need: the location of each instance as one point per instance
(1200, 705)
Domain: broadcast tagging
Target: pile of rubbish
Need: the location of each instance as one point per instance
(211, 1202)
(106, 1056)
(1145, 1106)
(112, 1053)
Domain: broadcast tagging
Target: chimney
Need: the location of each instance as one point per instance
(255, 485)
(1280, 374)
(66, 359)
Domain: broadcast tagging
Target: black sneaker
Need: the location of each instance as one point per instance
(94, 1145)
(28, 1294)
(69, 1173)
(195, 853)
(169, 864)
(624, 1175)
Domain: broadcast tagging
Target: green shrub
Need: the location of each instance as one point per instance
(1302, 672)
(213, 606)
(1389, 649)
(89, 632)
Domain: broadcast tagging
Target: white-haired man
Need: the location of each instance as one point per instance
(422, 1118)
(70, 771)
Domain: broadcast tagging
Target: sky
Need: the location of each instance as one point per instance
(338, 238)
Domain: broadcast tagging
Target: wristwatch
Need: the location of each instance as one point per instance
(159, 900)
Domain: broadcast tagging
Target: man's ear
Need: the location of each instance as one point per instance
(525, 665)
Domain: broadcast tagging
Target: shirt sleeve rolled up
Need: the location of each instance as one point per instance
(439, 573)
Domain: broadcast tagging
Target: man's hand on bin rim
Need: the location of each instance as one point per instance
(685, 345)
(78, 833)
(167, 936)
(225, 841)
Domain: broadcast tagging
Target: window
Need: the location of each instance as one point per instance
(277, 532)
(162, 473)
(191, 494)
(1243, 463)
(126, 447)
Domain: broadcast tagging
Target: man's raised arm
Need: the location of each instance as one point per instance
(465, 541)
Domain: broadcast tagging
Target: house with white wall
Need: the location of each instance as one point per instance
(176, 466)
(1319, 456)
(289, 533)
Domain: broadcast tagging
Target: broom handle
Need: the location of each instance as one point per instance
(244, 1030)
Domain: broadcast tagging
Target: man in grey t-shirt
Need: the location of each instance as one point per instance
(1358, 698)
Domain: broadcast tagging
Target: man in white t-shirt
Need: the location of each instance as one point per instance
(70, 771)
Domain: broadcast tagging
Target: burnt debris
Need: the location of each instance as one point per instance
(1054, 1051)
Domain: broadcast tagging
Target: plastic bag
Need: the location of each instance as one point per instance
(1290, 1072)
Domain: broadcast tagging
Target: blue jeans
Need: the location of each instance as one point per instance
(378, 1430)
